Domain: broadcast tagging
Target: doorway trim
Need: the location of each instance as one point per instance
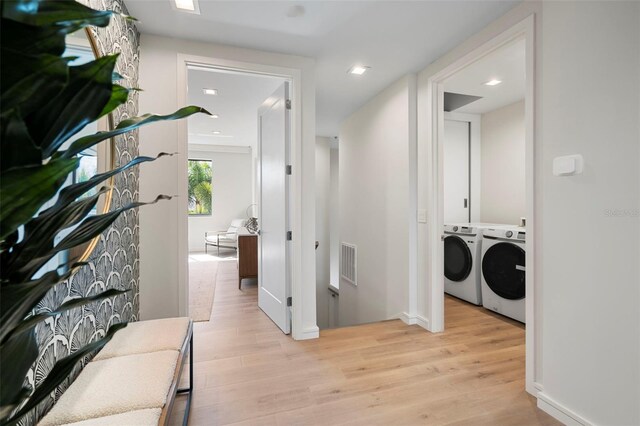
(435, 221)
(294, 76)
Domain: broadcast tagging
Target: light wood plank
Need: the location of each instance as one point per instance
(386, 373)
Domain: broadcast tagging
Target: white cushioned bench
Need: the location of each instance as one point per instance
(133, 380)
(138, 417)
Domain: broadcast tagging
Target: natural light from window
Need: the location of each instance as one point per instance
(200, 187)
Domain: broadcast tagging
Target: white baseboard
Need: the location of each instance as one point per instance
(413, 320)
(538, 388)
(423, 322)
(560, 412)
(308, 333)
(406, 318)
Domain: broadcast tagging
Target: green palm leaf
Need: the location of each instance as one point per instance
(23, 191)
(69, 304)
(64, 14)
(19, 353)
(86, 94)
(61, 371)
(128, 125)
(18, 299)
(44, 102)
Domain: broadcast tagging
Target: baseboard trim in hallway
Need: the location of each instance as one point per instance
(407, 319)
(310, 333)
(560, 412)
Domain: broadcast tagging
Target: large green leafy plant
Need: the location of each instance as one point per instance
(44, 103)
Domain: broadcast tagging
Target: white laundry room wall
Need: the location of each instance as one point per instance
(502, 165)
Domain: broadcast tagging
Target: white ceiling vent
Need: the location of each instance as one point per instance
(348, 263)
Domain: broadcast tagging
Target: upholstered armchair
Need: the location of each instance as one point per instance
(224, 239)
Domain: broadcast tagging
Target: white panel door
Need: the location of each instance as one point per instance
(273, 150)
(456, 171)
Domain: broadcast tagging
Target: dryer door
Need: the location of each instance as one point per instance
(457, 258)
(503, 270)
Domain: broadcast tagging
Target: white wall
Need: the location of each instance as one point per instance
(590, 255)
(586, 227)
(374, 201)
(327, 231)
(231, 193)
(163, 251)
(334, 215)
(323, 209)
(502, 165)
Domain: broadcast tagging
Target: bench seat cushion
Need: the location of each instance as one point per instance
(116, 385)
(148, 417)
(146, 336)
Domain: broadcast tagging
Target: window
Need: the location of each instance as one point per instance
(88, 169)
(199, 187)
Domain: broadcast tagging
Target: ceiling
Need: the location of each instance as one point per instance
(506, 64)
(338, 34)
(239, 96)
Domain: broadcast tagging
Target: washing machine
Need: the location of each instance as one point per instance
(462, 251)
(503, 271)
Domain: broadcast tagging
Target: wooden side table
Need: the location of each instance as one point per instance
(247, 257)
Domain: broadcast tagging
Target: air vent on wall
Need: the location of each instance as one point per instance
(348, 262)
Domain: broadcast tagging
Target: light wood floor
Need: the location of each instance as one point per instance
(247, 372)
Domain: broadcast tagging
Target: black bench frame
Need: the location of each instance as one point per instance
(175, 391)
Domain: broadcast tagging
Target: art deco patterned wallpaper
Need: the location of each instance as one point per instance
(114, 262)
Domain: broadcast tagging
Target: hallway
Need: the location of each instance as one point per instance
(248, 372)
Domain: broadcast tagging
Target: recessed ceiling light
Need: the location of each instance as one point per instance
(186, 5)
(358, 69)
(217, 132)
(493, 82)
(210, 91)
(214, 116)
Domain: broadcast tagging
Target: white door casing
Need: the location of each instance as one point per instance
(273, 152)
(505, 30)
(456, 171)
(299, 72)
